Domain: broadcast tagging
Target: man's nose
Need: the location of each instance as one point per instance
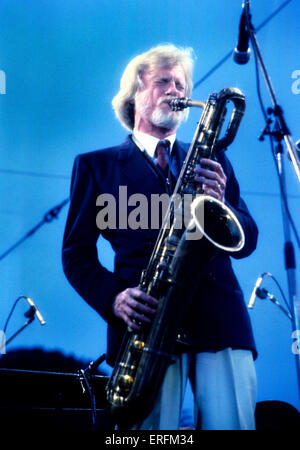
(171, 88)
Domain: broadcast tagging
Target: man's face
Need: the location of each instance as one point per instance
(152, 100)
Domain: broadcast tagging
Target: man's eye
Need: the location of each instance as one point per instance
(162, 81)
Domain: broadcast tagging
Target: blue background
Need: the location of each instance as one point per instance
(63, 61)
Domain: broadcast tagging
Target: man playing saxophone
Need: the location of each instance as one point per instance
(216, 350)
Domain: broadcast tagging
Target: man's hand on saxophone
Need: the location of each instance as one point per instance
(135, 307)
(212, 178)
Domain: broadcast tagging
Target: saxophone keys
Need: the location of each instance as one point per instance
(117, 399)
(138, 344)
(125, 382)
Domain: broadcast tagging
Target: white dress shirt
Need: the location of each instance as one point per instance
(148, 143)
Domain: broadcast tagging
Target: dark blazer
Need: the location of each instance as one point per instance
(218, 317)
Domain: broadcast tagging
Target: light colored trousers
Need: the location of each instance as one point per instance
(224, 388)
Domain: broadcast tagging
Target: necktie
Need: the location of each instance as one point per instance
(162, 160)
(162, 156)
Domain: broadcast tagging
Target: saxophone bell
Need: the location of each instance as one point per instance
(217, 223)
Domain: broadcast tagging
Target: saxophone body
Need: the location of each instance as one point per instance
(194, 229)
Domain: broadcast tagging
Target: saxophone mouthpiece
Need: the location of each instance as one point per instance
(178, 104)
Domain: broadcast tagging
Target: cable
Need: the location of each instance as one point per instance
(264, 194)
(229, 54)
(196, 85)
(34, 174)
(213, 69)
(271, 16)
(282, 293)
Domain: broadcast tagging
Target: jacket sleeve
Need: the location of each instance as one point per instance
(93, 282)
(234, 201)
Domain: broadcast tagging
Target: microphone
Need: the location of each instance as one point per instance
(257, 285)
(36, 311)
(242, 52)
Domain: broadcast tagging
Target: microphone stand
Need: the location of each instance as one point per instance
(281, 133)
(48, 217)
(30, 314)
(85, 376)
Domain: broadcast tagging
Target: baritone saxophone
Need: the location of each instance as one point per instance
(177, 261)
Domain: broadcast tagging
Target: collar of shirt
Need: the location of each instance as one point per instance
(148, 143)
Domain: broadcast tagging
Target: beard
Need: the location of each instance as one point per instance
(160, 116)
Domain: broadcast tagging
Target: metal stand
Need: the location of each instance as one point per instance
(48, 217)
(84, 378)
(281, 134)
(30, 314)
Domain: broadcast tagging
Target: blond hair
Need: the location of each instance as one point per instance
(161, 56)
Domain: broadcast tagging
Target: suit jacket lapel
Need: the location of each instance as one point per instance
(137, 169)
(140, 172)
